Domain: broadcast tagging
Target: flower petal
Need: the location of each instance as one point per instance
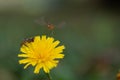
(55, 44)
(22, 55)
(46, 69)
(37, 68)
(59, 49)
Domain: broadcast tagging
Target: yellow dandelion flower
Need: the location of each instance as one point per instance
(41, 52)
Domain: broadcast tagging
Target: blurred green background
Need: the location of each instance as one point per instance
(91, 34)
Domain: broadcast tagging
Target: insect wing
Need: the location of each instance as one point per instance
(61, 25)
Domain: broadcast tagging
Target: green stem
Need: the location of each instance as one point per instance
(49, 77)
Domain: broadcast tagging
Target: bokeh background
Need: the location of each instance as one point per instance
(91, 34)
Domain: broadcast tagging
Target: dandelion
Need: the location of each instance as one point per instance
(41, 52)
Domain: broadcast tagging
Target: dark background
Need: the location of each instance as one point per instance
(91, 34)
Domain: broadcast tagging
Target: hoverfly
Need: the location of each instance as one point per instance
(48, 24)
(27, 40)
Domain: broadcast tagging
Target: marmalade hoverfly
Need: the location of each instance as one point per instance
(48, 24)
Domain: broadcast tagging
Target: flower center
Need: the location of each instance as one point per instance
(42, 58)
